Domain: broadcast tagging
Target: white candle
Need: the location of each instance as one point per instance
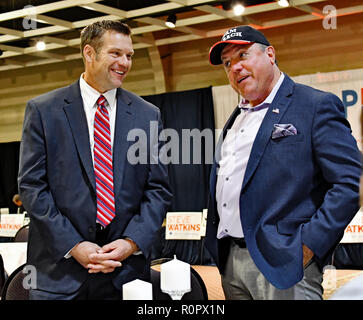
(137, 290)
(175, 276)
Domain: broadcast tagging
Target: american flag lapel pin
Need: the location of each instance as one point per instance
(276, 110)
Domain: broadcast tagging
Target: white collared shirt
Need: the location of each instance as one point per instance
(235, 152)
(89, 98)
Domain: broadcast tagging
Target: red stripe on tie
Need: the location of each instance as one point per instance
(101, 139)
(104, 120)
(104, 159)
(103, 166)
(105, 193)
(102, 220)
(107, 210)
(102, 126)
(108, 185)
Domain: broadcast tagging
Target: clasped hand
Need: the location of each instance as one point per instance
(102, 259)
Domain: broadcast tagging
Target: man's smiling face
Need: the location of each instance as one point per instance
(107, 68)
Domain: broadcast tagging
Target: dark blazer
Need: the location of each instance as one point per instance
(57, 186)
(298, 189)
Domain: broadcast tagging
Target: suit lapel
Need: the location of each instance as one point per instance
(281, 103)
(74, 111)
(124, 123)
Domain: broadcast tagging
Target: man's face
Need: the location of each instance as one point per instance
(107, 68)
(250, 70)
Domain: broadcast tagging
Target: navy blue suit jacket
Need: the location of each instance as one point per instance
(298, 189)
(57, 186)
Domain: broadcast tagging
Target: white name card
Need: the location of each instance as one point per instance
(185, 225)
(10, 224)
(353, 233)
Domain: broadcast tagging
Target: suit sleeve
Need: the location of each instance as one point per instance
(56, 231)
(339, 160)
(143, 227)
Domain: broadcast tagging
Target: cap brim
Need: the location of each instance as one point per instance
(216, 50)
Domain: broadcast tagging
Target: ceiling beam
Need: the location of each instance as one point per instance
(12, 48)
(47, 54)
(60, 41)
(153, 24)
(105, 9)
(57, 22)
(11, 32)
(13, 62)
(142, 39)
(161, 23)
(311, 10)
(189, 2)
(35, 10)
(152, 10)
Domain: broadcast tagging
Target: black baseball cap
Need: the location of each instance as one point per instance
(236, 35)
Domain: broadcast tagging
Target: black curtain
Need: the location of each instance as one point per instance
(9, 165)
(348, 256)
(188, 110)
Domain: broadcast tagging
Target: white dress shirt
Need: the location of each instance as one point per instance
(89, 98)
(235, 152)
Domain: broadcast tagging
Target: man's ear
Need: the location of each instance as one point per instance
(270, 51)
(88, 53)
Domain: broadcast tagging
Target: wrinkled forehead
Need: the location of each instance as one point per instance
(232, 48)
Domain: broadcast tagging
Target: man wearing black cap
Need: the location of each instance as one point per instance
(285, 182)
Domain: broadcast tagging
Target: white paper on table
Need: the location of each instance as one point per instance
(13, 254)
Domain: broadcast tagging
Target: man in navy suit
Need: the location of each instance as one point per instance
(285, 182)
(77, 253)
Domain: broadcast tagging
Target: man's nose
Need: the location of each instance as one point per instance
(123, 60)
(237, 66)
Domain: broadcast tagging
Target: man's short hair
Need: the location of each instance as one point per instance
(93, 33)
(263, 48)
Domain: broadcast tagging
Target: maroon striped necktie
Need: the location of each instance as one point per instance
(103, 164)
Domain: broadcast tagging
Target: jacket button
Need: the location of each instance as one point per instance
(91, 230)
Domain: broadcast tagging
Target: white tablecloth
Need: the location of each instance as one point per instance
(13, 254)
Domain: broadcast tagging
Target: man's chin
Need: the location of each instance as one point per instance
(118, 83)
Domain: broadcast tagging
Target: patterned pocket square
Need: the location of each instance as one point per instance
(283, 130)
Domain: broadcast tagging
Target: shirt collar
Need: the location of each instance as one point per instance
(244, 104)
(91, 95)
